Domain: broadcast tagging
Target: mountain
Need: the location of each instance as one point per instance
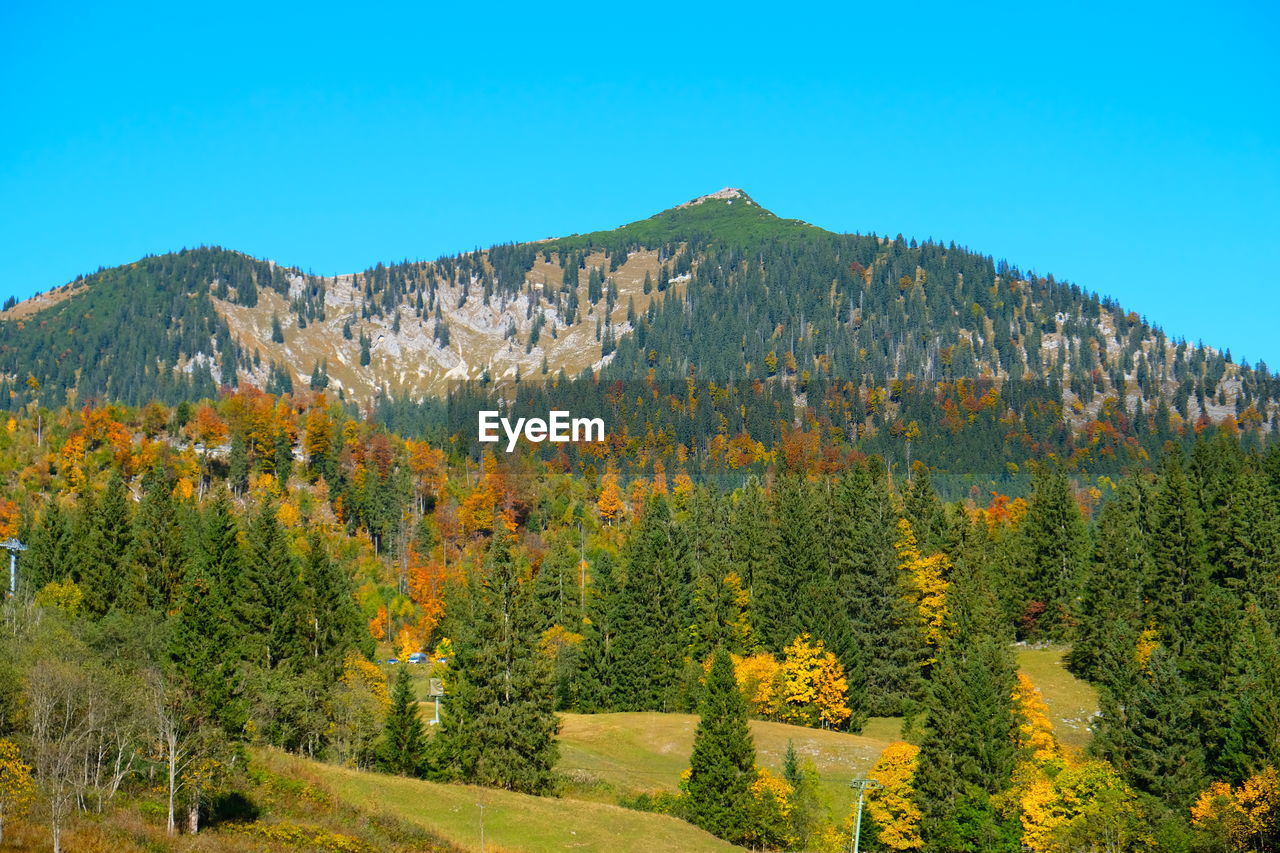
(717, 287)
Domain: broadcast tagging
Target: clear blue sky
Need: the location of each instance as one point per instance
(1132, 149)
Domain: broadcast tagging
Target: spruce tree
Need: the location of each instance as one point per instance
(49, 549)
(722, 766)
(334, 624)
(1054, 548)
(1252, 699)
(268, 600)
(498, 723)
(1143, 729)
(404, 742)
(1179, 570)
(160, 551)
(645, 658)
(968, 752)
(1111, 607)
(592, 690)
(795, 567)
(103, 552)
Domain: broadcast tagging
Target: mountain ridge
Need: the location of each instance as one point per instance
(717, 284)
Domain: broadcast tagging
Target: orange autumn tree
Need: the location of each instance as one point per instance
(610, 503)
(1035, 731)
(893, 805)
(426, 588)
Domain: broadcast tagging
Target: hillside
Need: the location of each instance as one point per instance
(879, 339)
(513, 823)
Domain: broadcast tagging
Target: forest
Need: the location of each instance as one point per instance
(206, 580)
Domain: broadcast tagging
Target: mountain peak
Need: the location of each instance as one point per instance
(726, 194)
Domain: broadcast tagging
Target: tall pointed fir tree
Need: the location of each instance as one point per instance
(1179, 570)
(1252, 740)
(1142, 728)
(796, 563)
(498, 722)
(1054, 548)
(50, 548)
(1111, 611)
(160, 547)
(969, 751)
(646, 658)
(269, 598)
(332, 622)
(591, 688)
(404, 742)
(722, 766)
(871, 587)
(103, 551)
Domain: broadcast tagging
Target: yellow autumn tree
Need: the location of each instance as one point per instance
(757, 677)
(893, 805)
(813, 686)
(1081, 807)
(1245, 817)
(1035, 730)
(926, 580)
(16, 787)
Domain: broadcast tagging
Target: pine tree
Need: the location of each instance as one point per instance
(103, 554)
(335, 626)
(404, 742)
(1143, 730)
(592, 690)
(1179, 571)
(1111, 607)
(50, 549)
(783, 581)
(1054, 548)
(969, 749)
(880, 614)
(268, 600)
(160, 550)
(645, 657)
(722, 766)
(498, 724)
(1252, 699)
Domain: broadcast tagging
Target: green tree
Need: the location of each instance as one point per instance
(404, 742)
(722, 766)
(1054, 547)
(498, 724)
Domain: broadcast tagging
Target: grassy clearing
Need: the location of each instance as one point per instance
(1071, 702)
(632, 752)
(512, 822)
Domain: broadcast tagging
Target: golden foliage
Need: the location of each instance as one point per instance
(893, 805)
(1243, 817)
(1035, 730)
(813, 685)
(926, 578)
(609, 504)
(16, 786)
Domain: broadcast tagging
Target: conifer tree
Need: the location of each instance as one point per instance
(645, 657)
(592, 690)
(1054, 547)
(1142, 729)
(404, 742)
(50, 549)
(879, 611)
(1252, 700)
(103, 552)
(722, 766)
(1179, 571)
(1111, 607)
(268, 599)
(160, 550)
(796, 565)
(335, 626)
(969, 747)
(498, 723)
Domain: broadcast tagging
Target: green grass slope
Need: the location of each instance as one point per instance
(633, 752)
(1072, 702)
(512, 822)
(735, 221)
